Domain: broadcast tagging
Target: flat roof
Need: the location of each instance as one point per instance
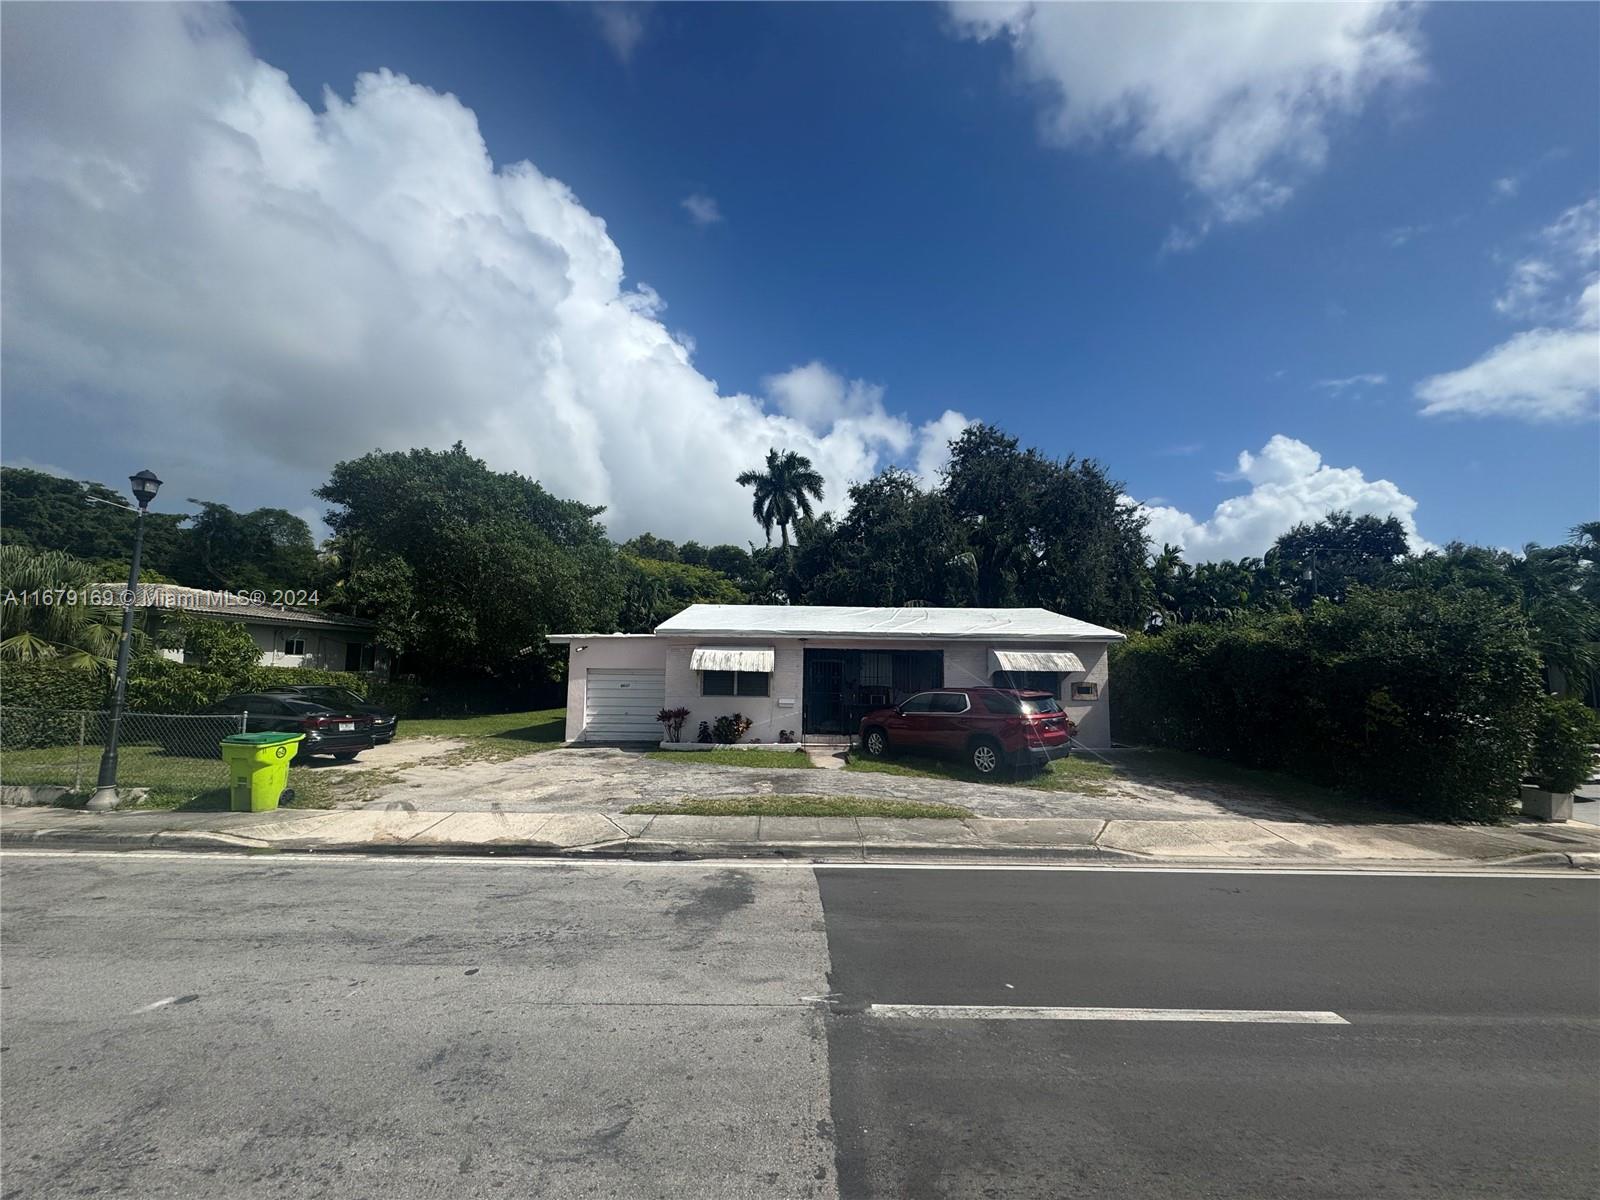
(821, 621)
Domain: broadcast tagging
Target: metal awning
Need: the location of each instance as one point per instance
(757, 659)
(1034, 660)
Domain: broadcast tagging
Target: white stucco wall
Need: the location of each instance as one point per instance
(966, 664)
(779, 709)
(643, 652)
(325, 648)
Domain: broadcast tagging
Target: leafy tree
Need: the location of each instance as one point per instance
(895, 545)
(648, 545)
(45, 512)
(45, 614)
(224, 648)
(783, 491)
(657, 590)
(267, 549)
(1339, 551)
(468, 568)
(1047, 532)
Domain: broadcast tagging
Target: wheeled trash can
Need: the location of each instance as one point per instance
(258, 768)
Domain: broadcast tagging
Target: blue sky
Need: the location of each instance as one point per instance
(934, 215)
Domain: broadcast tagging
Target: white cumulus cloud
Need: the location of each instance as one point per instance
(1551, 372)
(206, 275)
(1241, 99)
(1289, 484)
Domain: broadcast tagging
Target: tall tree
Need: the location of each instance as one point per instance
(1054, 533)
(783, 492)
(469, 567)
(267, 549)
(46, 512)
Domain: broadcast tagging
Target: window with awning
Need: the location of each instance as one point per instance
(1059, 661)
(757, 660)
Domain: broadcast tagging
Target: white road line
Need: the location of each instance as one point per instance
(1017, 1012)
(404, 861)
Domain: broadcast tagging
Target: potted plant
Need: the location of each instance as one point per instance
(1563, 758)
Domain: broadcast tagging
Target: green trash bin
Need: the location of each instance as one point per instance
(258, 768)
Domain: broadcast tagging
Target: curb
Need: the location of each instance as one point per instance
(822, 853)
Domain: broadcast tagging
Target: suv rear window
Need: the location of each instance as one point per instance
(1041, 704)
(1002, 705)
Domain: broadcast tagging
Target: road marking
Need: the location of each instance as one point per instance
(284, 858)
(1018, 1012)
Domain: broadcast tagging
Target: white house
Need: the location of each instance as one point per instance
(814, 671)
(286, 636)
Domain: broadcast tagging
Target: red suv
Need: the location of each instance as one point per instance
(988, 728)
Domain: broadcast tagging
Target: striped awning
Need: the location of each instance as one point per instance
(757, 659)
(1034, 660)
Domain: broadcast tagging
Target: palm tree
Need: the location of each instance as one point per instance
(783, 492)
(47, 616)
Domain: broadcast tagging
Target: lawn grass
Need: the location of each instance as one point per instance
(187, 783)
(789, 760)
(1082, 775)
(492, 736)
(799, 806)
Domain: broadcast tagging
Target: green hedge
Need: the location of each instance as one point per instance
(1426, 701)
(1563, 753)
(47, 684)
(55, 692)
(403, 699)
(159, 685)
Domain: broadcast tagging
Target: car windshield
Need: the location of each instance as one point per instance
(1041, 704)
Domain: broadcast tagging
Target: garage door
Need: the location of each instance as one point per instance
(621, 706)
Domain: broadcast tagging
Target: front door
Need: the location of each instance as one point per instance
(823, 704)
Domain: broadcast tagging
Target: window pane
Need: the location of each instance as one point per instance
(877, 669)
(1005, 706)
(753, 683)
(1041, 704)
(949, 702)
(716, 683)
(922, 703)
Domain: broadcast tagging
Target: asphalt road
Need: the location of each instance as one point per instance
(297, 1027)
(1470, 1065)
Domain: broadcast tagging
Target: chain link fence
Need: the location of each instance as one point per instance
(165, 753)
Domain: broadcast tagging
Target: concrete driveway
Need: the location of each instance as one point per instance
(609, 779)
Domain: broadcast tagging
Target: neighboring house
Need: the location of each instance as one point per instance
(286, 637)
(816, 671)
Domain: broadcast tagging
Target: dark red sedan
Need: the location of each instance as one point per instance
(987, 728)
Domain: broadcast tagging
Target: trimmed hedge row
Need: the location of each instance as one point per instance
(1423, 700)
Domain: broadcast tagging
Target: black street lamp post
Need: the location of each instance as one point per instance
(145, 486)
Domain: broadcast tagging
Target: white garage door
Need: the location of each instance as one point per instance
(621, 706)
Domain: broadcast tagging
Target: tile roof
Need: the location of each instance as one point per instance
(236, 606)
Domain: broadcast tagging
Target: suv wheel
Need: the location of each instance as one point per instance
(984, 757)
(876, 743)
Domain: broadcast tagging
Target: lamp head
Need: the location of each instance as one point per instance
(145, 487)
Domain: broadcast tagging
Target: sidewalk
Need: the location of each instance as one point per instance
(1237, 841)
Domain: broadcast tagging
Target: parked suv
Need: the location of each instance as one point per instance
(384, 722)
(329, 728)
(988, 728)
